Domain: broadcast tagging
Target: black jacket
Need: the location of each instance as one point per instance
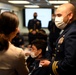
(36, 70)
(34, 24)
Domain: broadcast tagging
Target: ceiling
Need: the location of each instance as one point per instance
(41, 3)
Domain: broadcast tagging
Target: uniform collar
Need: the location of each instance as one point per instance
(67, 29)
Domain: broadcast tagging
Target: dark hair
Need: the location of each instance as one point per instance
(8, 22)
(42, 35)
(4, 44)
(40, 44)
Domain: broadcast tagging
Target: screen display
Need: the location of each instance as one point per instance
(44, 14)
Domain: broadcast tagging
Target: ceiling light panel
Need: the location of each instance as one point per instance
(31, 6)
(19, 2)
(58, 2)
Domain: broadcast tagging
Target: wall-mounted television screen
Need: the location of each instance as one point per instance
(44, 14)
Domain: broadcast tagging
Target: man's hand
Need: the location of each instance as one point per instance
(45, 62)
(34, 32)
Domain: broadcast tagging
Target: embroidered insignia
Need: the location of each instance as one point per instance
(54, 67)
(38, 22)
(61, 40)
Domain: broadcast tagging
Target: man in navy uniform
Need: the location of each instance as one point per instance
(34, 25)
(64, 62)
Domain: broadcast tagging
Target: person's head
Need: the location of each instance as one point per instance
(64, 15)
(38, 48)
(35, 15)
(42, 35)
(9, 25)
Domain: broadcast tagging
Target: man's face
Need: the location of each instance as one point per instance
(35, 15)
(35, 50)
(65, 13)
(62, 12)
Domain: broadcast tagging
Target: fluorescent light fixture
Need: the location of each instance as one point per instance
(56, 6)
(58, 2)
(31, 6)
(19, 2)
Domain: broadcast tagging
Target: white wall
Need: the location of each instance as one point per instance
(7, 6)
(19, 13)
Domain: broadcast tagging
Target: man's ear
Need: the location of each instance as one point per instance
(17, 30)
(40, 51)
(71, 16)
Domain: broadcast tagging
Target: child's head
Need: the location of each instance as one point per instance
(39, 47)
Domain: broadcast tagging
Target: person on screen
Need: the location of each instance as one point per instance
(34, 25)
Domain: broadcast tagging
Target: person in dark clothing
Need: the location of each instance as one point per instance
(54, 33)
(34, 25)
(41, 35)
(38, 52)
(64, 62)
(18, 40)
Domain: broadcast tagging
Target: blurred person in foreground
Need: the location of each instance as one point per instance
(12, 59)
(34, 25)
(64, 62)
